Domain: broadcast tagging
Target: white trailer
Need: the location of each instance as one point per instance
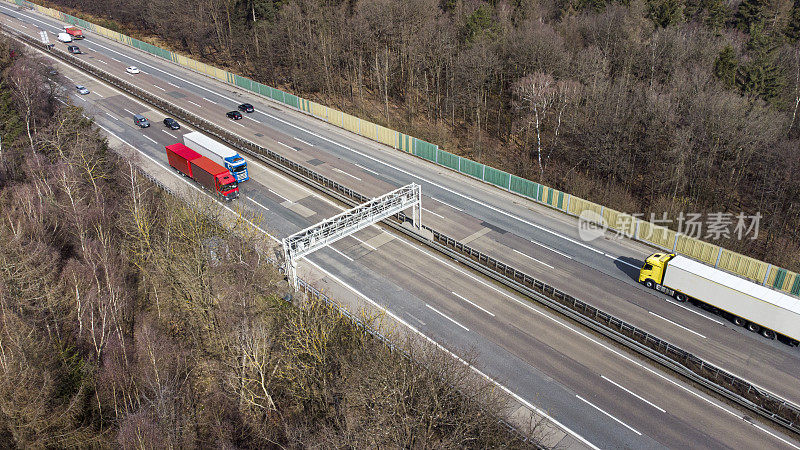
(219, 153)
(758, 307)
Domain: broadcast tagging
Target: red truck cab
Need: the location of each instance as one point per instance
(206, 172)
(75, 32)
(226, 185)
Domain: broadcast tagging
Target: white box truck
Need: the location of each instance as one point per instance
(219, 153)
(759, 308)
(64, 37)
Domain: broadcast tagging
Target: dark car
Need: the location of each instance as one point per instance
(246, 107)
(235, 115)
(172, 123)
(74, 49)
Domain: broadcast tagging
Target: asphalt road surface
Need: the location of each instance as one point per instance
(602, 394)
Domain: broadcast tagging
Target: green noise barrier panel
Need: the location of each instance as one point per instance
(472, 168)
(524, 187)
(447, 159)
(292, 100)
(278, 95)
(405, 143)
(756, 270)
(425, 149)
(242, 82)
(779, 278)
(496, 177)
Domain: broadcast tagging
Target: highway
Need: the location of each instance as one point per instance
(604, 395)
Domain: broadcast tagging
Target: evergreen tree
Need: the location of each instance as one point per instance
(664, 13)
(594, 5)
(481, 22)
(762, 76)
(725, 66)
(750, 12)
(716, 16)
(793, 27)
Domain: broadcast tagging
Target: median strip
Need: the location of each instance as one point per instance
(769, 406)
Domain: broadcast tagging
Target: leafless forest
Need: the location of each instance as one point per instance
(646, 106)
(130, 319)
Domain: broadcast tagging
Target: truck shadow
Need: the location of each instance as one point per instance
(629, 266)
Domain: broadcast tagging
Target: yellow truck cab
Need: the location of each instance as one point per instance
(652, 273)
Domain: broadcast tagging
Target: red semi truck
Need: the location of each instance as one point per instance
(209, 174)
(75, 32)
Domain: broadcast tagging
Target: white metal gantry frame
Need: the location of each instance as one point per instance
(342, 225)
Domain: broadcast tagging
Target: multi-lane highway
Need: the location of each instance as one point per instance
(603, 395)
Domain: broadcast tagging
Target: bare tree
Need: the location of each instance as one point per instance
(543, 101)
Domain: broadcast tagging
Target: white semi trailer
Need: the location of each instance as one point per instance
(219, 153)
(759, 308)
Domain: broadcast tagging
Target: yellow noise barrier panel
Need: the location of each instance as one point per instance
(743, 265)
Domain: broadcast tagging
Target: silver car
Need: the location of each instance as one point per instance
(81, 89)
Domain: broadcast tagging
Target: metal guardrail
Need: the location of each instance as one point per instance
(313, 292)
(767, 405)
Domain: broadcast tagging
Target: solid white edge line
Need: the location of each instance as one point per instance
(446, 317)
(652, 371)
(485, 205)
(343, 146)
(458, 358)
(394, 316)
(167, 73)
(186, 180)
(531, 257)
(632, 393)
(617, 258)
(473, 304)
(677, 324)
(609, 415)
